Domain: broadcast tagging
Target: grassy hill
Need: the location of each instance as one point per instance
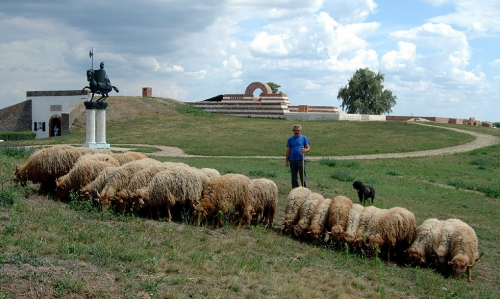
(54, 249)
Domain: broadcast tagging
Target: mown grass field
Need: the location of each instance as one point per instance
(50, 249)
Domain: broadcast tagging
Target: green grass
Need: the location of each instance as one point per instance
(72, 250)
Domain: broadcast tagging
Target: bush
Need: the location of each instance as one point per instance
(13, 136)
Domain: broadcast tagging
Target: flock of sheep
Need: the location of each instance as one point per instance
(449, 245)
(156, 189)
(170, 190)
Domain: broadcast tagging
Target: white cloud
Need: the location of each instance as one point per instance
(480, 18)
(272, 45)
(398, 60)
(352, 11)
(495, 63)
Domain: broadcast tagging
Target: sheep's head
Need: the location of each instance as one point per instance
(19, 176)
(61, 190)
(414, 257)
(459, 265)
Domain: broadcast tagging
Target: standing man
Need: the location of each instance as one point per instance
(296, 148)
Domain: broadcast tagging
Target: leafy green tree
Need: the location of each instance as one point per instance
(274, 87)
(365, 94)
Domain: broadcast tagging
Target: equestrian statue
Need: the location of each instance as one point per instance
(99, 83)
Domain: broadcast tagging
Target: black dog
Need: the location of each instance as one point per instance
(364, 191)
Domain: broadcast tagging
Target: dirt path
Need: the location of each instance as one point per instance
(482, 140)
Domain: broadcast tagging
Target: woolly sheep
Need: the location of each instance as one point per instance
(352, 225)
(120, 178)
(210, 172)
(464, 251)
(391, 230)
(47, 164)
(121, 200)
(338, 214)
(263, 201)
(319, 219)
(305, 212)
(425, 241)
(295, 199)
(181, 186)
(130, 156)
(457, 247)
(441, 253)
(85, 170)
(222, 193)
(367, 217)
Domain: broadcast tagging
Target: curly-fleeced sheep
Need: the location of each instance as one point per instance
(338, 214)
(222, 193)
(47, 164)
(353, 220)
(121, 200)
(319, 220)
(85, 170)
(177, 186)
(120, 178)
(295, 199)
(305, 214)
(130, 156)
(263, 201)
(426, 240)
(394, 229)
(457, 247)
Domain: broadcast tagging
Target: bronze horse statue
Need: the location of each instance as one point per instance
(99, 83)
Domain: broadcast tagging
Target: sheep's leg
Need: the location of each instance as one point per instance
(469, 273)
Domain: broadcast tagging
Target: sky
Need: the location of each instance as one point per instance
(439, 57)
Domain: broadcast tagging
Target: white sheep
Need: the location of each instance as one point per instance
(263, 201)
(319, 220)
(338, 215)
(179, 186)
(305, 214)
(426, 240)
(391, 230)
(295, 199)
(458, 247)
(352, 224)
(222, 193)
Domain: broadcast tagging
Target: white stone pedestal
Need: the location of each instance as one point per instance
(96, 111)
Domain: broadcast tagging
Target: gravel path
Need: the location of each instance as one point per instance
(482, 140)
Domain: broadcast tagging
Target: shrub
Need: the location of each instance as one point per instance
(12, 136)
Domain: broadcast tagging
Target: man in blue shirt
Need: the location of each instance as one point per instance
(296, 148)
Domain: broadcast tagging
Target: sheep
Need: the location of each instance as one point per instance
(85, 170)
(440, 256)
(140, 179)
(210, 172)
(181, 186)
(369, 214)
(426, 240)
(393, 229)
(457, 247)
(130, 156)
(464, 251)
(91, 190)
(349, 235)
(295, 199)
(47, 164)
(222, 193)
(319, 219)
(338, 214)
(120, 179)
(305, 212)
(263, 201)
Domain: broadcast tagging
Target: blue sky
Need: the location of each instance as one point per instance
(439, 57)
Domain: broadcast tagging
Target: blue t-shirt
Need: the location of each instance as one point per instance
(296, 144)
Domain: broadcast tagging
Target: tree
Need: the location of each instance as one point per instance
(365, 94)
(274, 87)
